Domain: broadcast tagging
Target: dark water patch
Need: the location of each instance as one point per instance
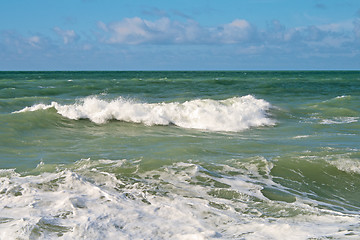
(321, 177)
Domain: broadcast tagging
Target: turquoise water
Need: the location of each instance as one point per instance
(180, 155)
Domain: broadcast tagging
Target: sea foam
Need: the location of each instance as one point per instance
(92, 201)
(233, 114)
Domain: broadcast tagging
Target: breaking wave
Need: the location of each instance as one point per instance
(233, 114)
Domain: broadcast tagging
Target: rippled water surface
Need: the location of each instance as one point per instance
(180, 155)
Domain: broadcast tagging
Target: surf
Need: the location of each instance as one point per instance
(229, 115)
(97, 199)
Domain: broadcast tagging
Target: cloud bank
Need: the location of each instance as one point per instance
(238, 39)
(164, 31)
(135, 31)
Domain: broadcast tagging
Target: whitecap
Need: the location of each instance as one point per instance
(339, 120)
(346, 164)
(36, 107)
(301, 136)
(233, 114)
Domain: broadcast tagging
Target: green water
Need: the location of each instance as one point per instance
(256, 149)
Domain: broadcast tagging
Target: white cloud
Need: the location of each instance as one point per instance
(137, 30)
(34, 41)
(307, 38)
(237, 31)
(162, 31)
(68, 36)
(13, 41)
(324, 40)
(240, 38)
(130, 30)
(336, 27)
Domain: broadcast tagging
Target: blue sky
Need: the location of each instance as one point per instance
(179, 35)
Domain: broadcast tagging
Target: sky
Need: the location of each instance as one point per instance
(179, 35)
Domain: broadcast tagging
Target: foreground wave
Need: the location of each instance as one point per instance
(109, 199)
(233, 114)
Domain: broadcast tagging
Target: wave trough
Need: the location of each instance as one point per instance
(233, 114)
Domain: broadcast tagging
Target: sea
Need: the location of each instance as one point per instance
(180, 155)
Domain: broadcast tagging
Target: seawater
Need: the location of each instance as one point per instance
(180, 155)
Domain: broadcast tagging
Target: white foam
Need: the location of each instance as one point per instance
(84, 203)
(8, 172)
(339, 120)
(346, 164)
(342, 96)
(233, 114)
(36, 108)
(301, 136)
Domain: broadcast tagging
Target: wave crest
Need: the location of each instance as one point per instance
(233, 114)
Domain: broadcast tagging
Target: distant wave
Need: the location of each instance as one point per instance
(340, 120)
(233, 114)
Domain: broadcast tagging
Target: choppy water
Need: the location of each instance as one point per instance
(180, 155)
